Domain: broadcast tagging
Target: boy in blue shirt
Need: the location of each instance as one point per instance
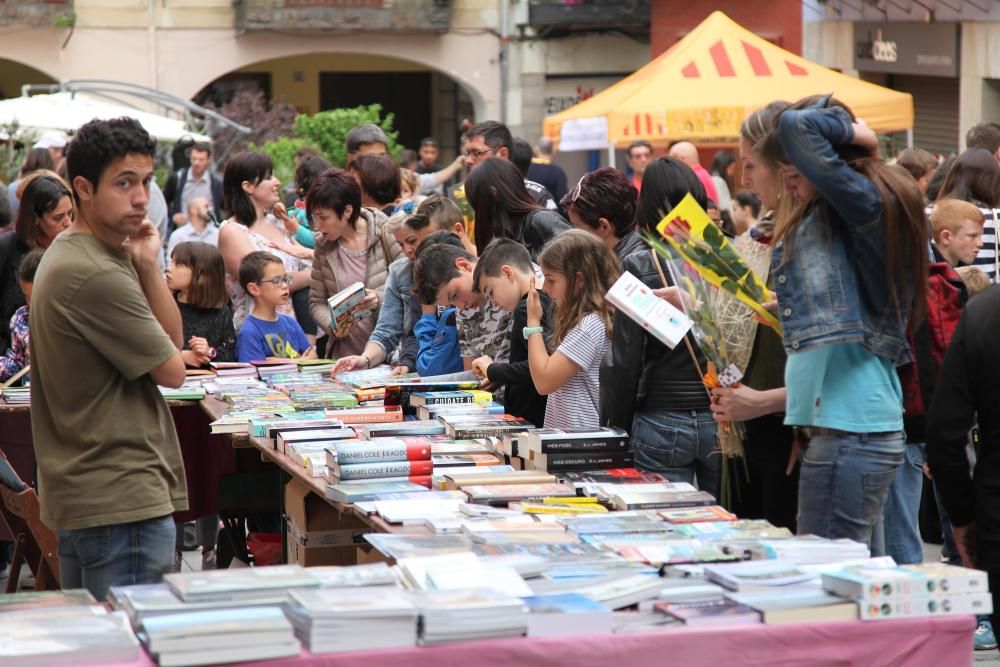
(266, 333)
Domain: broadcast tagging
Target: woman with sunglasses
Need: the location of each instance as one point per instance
(505, 209)
(251, 190)
(603, 203)
(46, 210)
(648, 389)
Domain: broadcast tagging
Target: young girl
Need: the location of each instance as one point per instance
(850, 269)
(197, 276)
(19, 356)
(578, 271)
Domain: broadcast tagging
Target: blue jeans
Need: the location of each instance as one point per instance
(844, 481)
(118, 555)
(680, 444)
(902, 507)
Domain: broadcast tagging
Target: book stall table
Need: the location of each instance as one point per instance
(918, 642)
(206, 457)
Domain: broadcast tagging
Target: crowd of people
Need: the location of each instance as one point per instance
(849, 412)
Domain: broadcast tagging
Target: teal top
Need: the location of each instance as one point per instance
(304, 236)
(843, 386)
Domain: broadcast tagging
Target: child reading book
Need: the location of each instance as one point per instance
(504, 275)
(197, 277)
(19, 356)
(266, 333)
(579, 270)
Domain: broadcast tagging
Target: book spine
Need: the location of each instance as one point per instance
(913, 607)
(668, 504)
(383, 452)
(449, 400)
(472, 431)
(581, 446)
(383, 469)
(571, 462)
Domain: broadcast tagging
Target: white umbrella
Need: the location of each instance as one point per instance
(70, 111)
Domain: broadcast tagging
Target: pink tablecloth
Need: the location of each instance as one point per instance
(930, 642)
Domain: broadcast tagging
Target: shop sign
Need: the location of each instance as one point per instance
(927, 49)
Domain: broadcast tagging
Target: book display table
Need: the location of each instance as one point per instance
(923, 642)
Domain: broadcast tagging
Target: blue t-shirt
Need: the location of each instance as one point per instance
(260, 339)
(844, 387)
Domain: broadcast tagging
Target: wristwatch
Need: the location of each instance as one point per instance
(527, 331)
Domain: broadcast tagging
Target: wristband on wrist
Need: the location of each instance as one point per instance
(527, 331)
(368, 362)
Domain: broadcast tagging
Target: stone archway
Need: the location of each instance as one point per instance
(191, 59)
(14, 74)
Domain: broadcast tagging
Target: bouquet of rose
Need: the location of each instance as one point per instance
(720, 351)
(689, 231)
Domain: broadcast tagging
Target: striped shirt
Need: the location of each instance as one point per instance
(576, 404)
(987, 258)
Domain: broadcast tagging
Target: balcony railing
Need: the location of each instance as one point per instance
(58, 13)
(562, 15)
(369, 15)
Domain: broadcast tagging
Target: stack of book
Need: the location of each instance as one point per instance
(905, 591)
(441, 410)
(385, 429)
(483, 425)
(259, 585)
(66, 636)
(328, 620)
(234, 369)
(16, 395)
(34, 600)
(454, 616)
(574, 450)
(219, 636)
(566, 614)
(396, 459)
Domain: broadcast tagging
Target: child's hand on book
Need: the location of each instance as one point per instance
(480, 366)
(534, 306)
(400, 370)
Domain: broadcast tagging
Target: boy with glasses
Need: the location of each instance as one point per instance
(266, 333)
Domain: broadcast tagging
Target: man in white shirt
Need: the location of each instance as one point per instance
(199, 228)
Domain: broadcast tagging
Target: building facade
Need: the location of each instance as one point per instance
(944, 54)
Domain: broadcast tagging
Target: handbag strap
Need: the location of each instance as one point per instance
(687, 340)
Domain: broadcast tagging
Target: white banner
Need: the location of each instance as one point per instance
(584, 134)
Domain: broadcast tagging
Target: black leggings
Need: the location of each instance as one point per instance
(768, 493)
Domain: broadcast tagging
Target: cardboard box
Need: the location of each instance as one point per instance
(317, 533)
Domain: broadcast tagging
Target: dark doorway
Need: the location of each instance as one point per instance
(407, 95)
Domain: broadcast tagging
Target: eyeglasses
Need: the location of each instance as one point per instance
(475, 155)
(277, 282)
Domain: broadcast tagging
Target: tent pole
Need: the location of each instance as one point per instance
(611, 156)
(909, 138)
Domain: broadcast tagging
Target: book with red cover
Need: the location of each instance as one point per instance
(408, 469)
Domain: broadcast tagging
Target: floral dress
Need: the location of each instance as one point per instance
(243, 302)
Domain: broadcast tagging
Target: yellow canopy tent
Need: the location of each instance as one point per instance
(703, 87)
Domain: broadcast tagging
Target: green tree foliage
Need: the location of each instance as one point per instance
(327, 130)
(282, 154)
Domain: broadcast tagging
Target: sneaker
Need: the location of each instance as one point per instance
(984, 639)
(208, 559)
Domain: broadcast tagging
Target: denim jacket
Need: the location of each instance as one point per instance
(831, 283)
(394, 316)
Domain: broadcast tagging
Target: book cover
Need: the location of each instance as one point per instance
(398, 393)
(709, 613)
(44, 599)
(421, 398)
(697, 514)
(627, 501)
(461, 460)
(367, 414)
(379, 449)
(490, 493)
(407, 469)
(613, 476)
(356, 493)
(286, 438)
(657, 316)
(402, 428)
(579, 461)
(345, 305)
(550, 440)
